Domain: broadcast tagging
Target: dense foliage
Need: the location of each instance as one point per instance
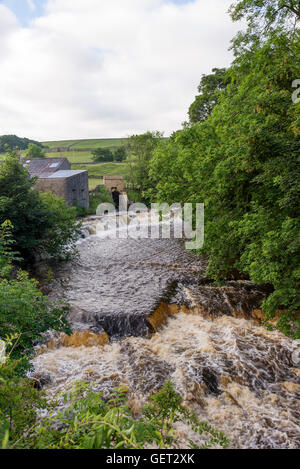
(140, 150)
(19, 401)
(42, 224)
(242, 161)
(12, 142)
(25, 314)
(24, 311)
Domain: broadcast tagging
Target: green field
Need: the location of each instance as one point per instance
(73, 156)
(90, 143)
(97, 171)
(104, 169)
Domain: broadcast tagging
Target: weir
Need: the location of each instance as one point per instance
(144, 312)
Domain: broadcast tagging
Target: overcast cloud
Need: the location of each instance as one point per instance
(107, 68)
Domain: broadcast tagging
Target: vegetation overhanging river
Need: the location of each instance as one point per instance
(143, 312)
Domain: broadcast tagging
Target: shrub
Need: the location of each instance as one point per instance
(99, 196)
(19, 401)
(24, 310)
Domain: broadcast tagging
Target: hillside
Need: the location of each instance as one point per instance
(80, 152)
(87, 144)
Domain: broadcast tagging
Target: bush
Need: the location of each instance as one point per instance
(99, 196)
(19, 401)
(62, 229)
(24, 311)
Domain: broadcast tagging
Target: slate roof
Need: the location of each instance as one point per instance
(44, 167)
(65, 174)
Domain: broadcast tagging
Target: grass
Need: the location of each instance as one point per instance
(89, 143)
(97, 171)
(72, 156)
(104, 169)
(75, 156)
(93, 183)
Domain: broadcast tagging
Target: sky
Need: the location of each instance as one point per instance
(75, 69)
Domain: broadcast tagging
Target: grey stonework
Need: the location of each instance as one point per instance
(114, 181)
(54, 175)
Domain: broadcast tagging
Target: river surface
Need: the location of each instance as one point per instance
(143, 312)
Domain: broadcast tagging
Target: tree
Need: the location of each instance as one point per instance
(264, 17)
(34, 151)
(261, 15)
(62, 229)
(243, 163)
(42, 223)
(140, 149)
(209, 89)
(120, 154)
(101, 155)
(12, 142)
(19, 401)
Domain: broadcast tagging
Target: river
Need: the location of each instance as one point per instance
(143, 312)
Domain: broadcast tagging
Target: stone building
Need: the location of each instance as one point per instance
(114, 181)
(55, 175)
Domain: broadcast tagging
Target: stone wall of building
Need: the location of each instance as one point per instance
(56, 186)
(114, 181)
(77, 188)
(74, 189)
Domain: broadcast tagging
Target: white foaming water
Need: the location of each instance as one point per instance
(141, 225)
(234, 374)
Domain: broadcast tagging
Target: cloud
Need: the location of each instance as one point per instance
(95, 68)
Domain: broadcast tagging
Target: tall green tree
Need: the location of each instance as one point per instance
(101, 155)
(210, 88)
(262, 15)
(243, 163)
(140, 150)
(34, 151)
(120, 154)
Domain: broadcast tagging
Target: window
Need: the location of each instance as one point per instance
(83, 194)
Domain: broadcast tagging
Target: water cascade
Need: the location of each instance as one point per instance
(143, 312)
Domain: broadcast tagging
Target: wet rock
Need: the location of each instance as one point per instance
(211, 380)
(39, 381)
